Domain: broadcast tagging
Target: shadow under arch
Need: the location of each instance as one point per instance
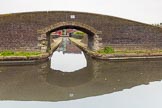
(93, 34)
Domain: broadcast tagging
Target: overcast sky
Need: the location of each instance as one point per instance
(147, 11)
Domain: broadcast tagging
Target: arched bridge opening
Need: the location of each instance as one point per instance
(89, 35)
(92, 34)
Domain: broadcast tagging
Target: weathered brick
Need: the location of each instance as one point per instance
(20, 31)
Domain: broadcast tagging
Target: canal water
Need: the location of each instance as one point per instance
(68, 58)
(72, 79)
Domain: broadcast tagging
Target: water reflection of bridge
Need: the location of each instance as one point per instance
(100, 77)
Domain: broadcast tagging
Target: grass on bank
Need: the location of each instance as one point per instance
(12, 53)
(110, 50)
(106, 50)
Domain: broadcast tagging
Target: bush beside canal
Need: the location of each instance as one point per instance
(106, 50)
(78, 34)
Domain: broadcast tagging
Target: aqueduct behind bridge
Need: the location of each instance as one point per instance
(29, 31)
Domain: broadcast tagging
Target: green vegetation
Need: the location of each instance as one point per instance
(133, 51)
(106, 50)
(110, 50)
(78, 34)
(11, 53)
(139, 52)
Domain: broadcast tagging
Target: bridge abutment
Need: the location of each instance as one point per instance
(43, 43)
(97, 42)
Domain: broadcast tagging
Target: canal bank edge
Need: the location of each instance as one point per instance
(114, 56)
(5, 60)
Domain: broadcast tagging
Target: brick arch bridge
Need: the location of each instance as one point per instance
(93, 34)
(26, 31)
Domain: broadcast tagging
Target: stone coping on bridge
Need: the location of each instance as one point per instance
(115, 56)
(6, 60)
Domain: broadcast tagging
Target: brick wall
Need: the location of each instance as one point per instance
(19, 31)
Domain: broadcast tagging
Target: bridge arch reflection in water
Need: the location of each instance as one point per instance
(68, 57)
